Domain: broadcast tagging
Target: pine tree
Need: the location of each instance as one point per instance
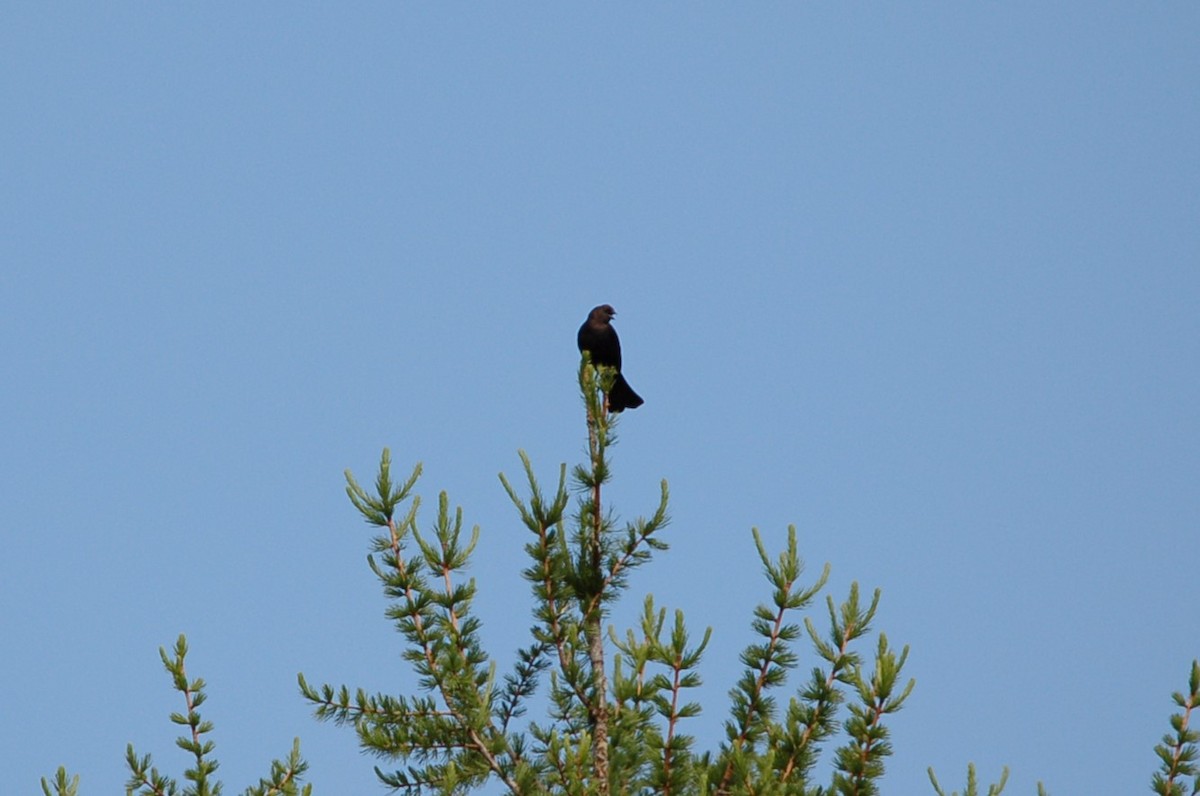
(619, 706)
(618, 702)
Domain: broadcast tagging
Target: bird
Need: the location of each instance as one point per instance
(598, 337)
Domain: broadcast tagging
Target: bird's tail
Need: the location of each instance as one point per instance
(622, 396)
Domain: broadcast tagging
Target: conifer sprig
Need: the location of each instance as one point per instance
(972, 788)
(457, 732)
(146, 780)
(1177, 753)
(63, 784)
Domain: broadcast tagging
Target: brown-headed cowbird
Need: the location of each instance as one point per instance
(599, 338)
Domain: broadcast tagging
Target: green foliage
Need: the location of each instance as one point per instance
(618, 703)
(972, 788)
(145, 779)
(1177, 753)
(63, 784)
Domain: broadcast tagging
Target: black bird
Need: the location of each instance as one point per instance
(599, 338)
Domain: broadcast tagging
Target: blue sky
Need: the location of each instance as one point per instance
(921, 279)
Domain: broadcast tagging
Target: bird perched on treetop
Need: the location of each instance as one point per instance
(599, 338)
